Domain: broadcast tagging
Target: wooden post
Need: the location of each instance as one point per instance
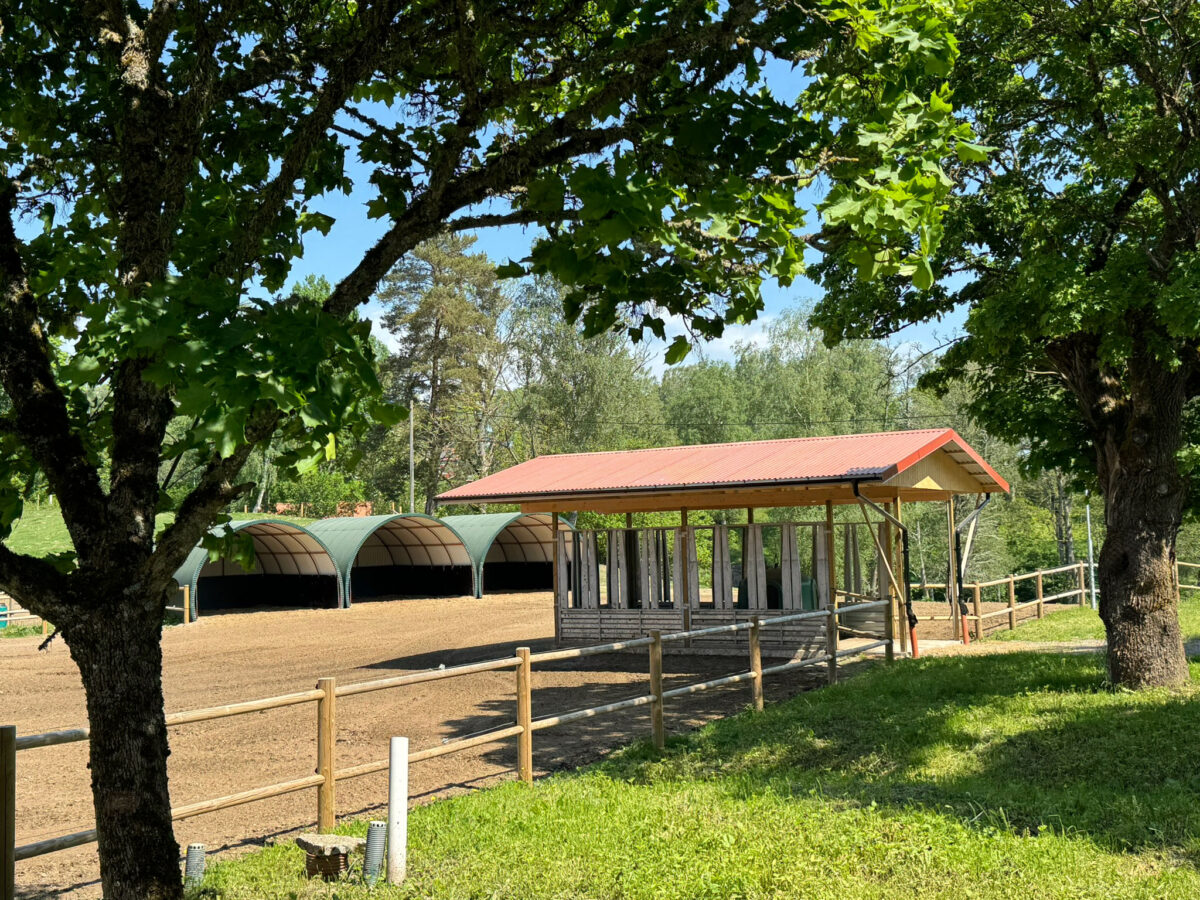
(525, 717)
(1041, 606)
(887, 592)
(831, 645)
(656, 688)
(1083, 584)
(756, 683)
(554, 564)
(685, 592)
(897, 561)
(830, 562)
(978, 611)
(187, 604)
(1012, 603)
(889, 635)
(952, 574)
(326, 742)
(8, 811)
(45, 627)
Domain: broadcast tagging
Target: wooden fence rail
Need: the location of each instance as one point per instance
(327, 691)
(974, 590)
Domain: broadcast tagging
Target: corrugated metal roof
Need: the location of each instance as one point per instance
(791, 461)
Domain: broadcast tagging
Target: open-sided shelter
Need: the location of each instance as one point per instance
(651, 577)
(408, 553)
(416, 554)
(292, 568)
(511, 551)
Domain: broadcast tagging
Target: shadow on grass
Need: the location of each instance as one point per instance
(1021, 742)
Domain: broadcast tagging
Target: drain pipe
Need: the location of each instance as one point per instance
(193, 869)
(373, 862)
(906, 575)
(963, 557)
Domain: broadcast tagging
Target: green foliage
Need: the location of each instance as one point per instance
(1079, 280)
(320, 490)
(986, 777)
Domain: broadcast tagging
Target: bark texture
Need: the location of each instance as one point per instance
(116, 647)
(1136, 421)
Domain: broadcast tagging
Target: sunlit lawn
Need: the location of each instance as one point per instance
(1009, 776)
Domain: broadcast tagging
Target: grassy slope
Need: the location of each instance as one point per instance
(1083, 624)
(984, 777)
(41, 532)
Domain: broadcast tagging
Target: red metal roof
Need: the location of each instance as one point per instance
(792, 461)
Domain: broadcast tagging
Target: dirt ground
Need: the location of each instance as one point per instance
(248, 655)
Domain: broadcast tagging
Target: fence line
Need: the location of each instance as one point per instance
(973, 590)
(327, 775)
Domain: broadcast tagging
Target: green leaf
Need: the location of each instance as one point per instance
(970, 152)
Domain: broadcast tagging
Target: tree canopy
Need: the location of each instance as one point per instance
(1073, 244)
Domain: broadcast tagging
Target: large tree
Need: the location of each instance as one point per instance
(445, 308)
(163, 162)
(1074, 247)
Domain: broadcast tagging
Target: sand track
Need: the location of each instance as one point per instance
(243, 656)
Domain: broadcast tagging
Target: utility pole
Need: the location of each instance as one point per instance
(412, 486)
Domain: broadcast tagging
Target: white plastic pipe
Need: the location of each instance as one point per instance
(397, 821)
(1091, 560)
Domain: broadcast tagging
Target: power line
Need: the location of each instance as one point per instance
(800, 423)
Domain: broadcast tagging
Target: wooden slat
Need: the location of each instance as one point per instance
(616, 569)
(722, 569)
(693, 579)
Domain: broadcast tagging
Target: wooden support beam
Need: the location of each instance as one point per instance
(952, 580)
(554, 564)
(902, 600)
(830, 560)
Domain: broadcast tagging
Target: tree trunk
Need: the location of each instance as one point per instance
(1144, 496)
(117, 647)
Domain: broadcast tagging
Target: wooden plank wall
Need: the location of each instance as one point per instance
(587, 615)
(617, 593)
(820, 557)
(722, 569)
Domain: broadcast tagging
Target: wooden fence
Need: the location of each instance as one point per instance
(972, 597)
(15, 613)
(327, 691)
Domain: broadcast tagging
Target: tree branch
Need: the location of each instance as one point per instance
(40, 414)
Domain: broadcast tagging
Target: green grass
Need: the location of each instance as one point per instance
(42, 532)
(1015, 775)
(20, 631)
(1082, 624)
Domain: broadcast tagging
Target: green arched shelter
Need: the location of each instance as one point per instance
(505, 541)
(292, 566)
(431, 548)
